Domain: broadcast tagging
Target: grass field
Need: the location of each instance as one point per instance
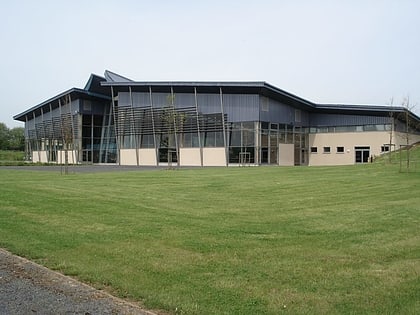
(8, 157)
(259, 240)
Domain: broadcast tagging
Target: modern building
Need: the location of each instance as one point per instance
(120, 121)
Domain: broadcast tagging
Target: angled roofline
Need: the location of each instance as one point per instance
(91, 78)
(111, 76)
(352, 108)
(262, 86)
(21, 116)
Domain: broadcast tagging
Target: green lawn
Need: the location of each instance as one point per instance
(258, 240)
(8, 157)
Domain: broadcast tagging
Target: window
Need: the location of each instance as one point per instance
(314, 150)
(385, 148)
(327, 150)
(340, 149)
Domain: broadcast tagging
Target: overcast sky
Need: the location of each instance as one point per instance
(349, 52)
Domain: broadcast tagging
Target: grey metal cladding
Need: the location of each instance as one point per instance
(141, 99)
(241, 107)
(208, 103)
(276, 112)
(124, 99)
(182, 100)
(318, 119)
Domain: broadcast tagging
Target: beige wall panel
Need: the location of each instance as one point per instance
(43, 155)
(61, 157)
(128, 157)
(214, 157)
(189, 157)
(35, 157)
(348, 140)
(286, 154)
(147, 157)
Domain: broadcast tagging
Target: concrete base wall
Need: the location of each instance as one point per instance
(147, 157)
(128, 157)
(214, 157)
(39, 156)
(61, 158)
(42, 157)
(286, 154)
(189, 157)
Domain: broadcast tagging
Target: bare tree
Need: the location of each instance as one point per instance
(67, 136)
(408, 122)
(391, 131)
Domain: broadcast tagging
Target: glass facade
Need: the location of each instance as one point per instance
(210, 124)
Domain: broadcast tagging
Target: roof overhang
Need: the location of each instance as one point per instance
(228, 87)
(55, 101)
(378, 110)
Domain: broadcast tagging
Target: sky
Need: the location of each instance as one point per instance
(329, 52)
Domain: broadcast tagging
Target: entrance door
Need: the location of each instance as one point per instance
(362, 154)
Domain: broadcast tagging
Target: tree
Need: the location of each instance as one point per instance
(391, 118)
(408, 126)
(17, 139)
(4, 137)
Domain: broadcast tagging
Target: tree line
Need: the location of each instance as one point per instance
(12, 139)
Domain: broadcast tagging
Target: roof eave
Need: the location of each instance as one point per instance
(21, 116)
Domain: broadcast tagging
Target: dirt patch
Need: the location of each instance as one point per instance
(28, 288)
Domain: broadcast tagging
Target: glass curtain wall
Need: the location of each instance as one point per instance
(273, 134)
(241, 139)
(49, 135)
(161, 121)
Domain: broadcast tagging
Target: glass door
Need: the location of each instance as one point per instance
(362, 154)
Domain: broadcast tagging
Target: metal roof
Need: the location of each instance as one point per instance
(74, 93)
(382, 110)
(99, 87)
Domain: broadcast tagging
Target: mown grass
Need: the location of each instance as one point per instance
(262, 240)
(8, 157)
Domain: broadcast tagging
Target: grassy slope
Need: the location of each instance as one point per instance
(227, 241)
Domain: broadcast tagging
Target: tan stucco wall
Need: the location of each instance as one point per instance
(348, 140)
(189, 157)
(61, 158)
(286, 154)
(214, 157)
(39, 156)
(128, 157)
(147, 157)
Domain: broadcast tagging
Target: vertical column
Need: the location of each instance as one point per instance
(153, 126)
(174, 115)
(74, 155)
(133, 131)
(198, 126)
(91, 138)
(61, 127)
(28, 146)
(104, 137)
(37, 140)
(257, 140)
(224, 127)
(116, 126)
(46, 140)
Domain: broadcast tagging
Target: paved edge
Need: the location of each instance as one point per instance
(56, 281)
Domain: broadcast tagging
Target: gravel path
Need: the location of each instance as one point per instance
(28, 288)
